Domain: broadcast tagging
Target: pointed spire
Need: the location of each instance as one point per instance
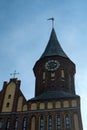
(53, 47)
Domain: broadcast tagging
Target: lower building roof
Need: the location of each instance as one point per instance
(53, 95)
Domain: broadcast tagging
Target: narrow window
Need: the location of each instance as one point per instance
(16, 124)
(67, 121)
(62, 73)
(7, 105)
(41, 123)
(58, 122)
(9, 96)
(50, 123)
(52, 75)
(1, 122)
(24, 123)
(44, 75)
(8, 124)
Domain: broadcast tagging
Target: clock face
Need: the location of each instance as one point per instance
(52, 65)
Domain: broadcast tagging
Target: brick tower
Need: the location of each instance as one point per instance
(55, 86)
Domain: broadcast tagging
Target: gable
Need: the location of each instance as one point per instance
(9, 97)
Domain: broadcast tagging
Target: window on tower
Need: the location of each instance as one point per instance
(52, 75)
(62, 75)
(44, 77)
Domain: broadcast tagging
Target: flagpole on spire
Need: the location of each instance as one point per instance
(52, 21)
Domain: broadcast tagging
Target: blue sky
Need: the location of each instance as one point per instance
(25, 31)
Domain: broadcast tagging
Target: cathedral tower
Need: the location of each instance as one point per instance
(54, 73)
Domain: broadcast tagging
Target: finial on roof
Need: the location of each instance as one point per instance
(14, 74)
(52, 21)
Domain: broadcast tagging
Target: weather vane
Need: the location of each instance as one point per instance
(14, 74)
(52, 21)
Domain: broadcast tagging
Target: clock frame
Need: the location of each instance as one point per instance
(52, 65)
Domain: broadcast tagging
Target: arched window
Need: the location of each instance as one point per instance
(50, 122)
(24, 123)
(16, 124)
(8, 124)
(58, 122)
(1, 122)
(67, 121)
(41, 123)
